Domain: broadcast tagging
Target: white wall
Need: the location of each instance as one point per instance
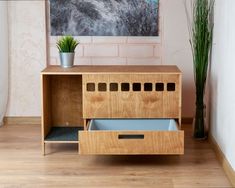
(177, 50)
(27, 40)
(3, 59)
(222, 79)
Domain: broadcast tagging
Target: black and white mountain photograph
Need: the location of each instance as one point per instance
(104, 17)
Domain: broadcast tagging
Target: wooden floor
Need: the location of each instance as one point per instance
(22, 165)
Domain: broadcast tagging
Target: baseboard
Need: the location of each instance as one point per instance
(223, 161)
(22, 120)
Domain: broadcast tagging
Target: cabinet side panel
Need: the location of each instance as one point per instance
(180, 100)
(46, 105)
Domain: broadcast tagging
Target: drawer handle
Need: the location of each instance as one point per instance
(131, 136)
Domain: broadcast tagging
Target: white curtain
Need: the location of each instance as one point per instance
(3, 59)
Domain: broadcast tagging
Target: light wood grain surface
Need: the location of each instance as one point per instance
(96, 104)
(23, 166)
(132, 104)
(88, 69)
(66, 100)
(147, 142)
(172, 99)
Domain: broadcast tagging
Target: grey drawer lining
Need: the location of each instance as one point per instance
(133, 125)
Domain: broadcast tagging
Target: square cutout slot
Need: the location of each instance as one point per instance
(90, 87)
(170, 86)
(102, 87)
(148, 87)
(125, 87)
(136, 86)
(159, 87)
(113, 86)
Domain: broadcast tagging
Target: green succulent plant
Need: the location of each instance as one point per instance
(67, 44)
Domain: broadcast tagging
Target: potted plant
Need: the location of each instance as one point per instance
(200, 22)
(66, 46)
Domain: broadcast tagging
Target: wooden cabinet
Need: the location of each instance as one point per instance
(72, 97)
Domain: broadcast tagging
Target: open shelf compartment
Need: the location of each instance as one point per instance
(63, 134)
(62, 108)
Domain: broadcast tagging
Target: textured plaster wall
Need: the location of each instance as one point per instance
(27, 56)
(3, 59)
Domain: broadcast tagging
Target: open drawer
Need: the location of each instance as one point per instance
(132, 137)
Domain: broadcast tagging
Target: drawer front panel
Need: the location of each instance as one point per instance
(131, 142)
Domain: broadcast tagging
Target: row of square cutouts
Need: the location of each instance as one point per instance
(126, 87)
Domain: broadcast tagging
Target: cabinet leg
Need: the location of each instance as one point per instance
(85, 124)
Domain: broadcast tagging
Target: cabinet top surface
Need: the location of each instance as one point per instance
(112, 69)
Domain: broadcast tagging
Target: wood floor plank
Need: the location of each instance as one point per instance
(23, 166)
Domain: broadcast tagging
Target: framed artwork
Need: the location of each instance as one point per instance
(104, 17)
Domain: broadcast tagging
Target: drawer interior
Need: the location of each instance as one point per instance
(133, 125)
